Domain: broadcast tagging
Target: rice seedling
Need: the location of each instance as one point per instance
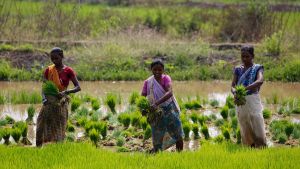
(296, 131)
(219, 139)
(126, 134)
(148, 133)
(186, 130)
(70, 137)
(120, 141)
(135, 119)
(103, 131)
(241, 93)
(202, 119)
(219, 122)
(289, 129)
(195, 129)
(2, 98)
(133, 98)
(124, 119)
(16, 134)
(30, 113)
(212, 117)
(95, 116)
(184, 118)
(75, 103)
(122, 149)
(194, 117)
(296, 110)
(193, 105)
(143, 123)
(282, 138)
(214, 103)
(87, 98)
(278, 128)
(6, 132)
(82, 121)
(9, 119)
(82, 112)
(204, 131)
(50, 89)
(70, 127)
(238, 136)
(224, 112)
(95, 104)
(226, 133)
(111, 101)
(267, 113)
(143, 105)
(94, 136)
(229, 102)
(3, 122)
(0, 135)
(232, 113)
(234, 123)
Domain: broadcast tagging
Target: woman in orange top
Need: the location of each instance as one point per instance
(52, 120)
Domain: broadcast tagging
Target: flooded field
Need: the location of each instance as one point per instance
(273, 96)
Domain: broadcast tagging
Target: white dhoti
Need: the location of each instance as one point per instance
(252, 122)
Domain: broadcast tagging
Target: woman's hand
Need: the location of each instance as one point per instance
(153, 107)
(62, 94)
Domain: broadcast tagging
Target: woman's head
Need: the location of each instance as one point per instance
(157, 68)
(57, 55)
(247, 54)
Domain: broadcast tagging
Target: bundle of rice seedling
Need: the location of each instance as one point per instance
(241, 93)
(50, 89)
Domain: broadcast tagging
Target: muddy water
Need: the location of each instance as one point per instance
(218, 90)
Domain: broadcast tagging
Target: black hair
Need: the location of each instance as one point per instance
(157, 62)
(249, 49)
(57, 50)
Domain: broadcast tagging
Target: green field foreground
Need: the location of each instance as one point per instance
(83, 155)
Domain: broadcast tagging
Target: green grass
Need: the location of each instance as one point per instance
(81, 155)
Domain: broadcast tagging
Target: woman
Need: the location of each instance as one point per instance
(250, 115)
(158, 90)
(52, 119)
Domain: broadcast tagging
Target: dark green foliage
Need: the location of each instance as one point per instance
(296, 110)
(120, 141)
(143, 123)
(194, 117)
(282, 138)
(202, 119)
(193, 105)
(238, 136)
(289, 129)
(6, 132)
(234, 123)
(70, 127)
